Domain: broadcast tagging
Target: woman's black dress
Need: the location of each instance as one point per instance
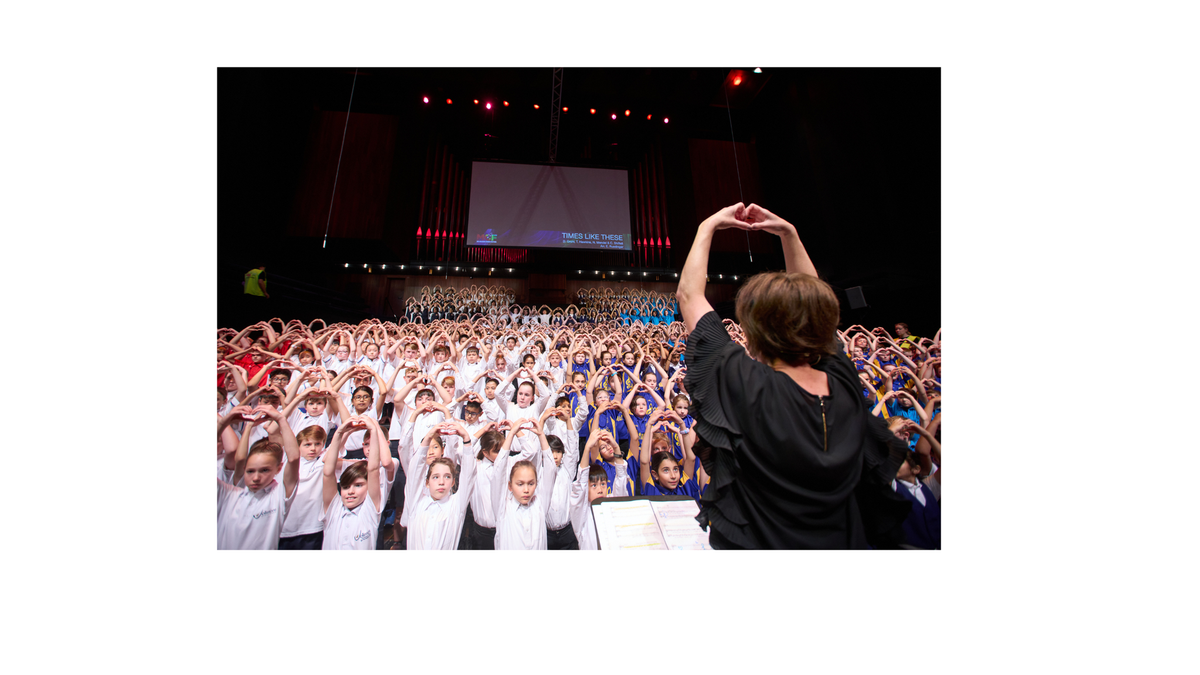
(789, 470)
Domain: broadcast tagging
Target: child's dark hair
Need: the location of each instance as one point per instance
(490, 441)
(658, 458)
(596, 474)
(491, 380)
(280, 371)
(473, 406)
(556, 444)
(561, 400)
(353, 471)
(369, 391)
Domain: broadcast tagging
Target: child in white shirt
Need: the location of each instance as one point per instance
(352, 521)
(252, 507)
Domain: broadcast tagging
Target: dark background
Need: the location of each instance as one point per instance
(850, 156)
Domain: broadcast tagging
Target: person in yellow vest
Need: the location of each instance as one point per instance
(256, 282)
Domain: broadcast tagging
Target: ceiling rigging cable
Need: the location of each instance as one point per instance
(339, 162)
(733, 142)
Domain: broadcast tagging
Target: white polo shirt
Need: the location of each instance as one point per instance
(304, 516)
(250, 520)
(350, 530)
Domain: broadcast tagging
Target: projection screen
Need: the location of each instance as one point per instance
(543, 206)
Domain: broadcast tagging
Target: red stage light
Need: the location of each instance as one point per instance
(737, 80)
(614, 116)
(627, 113)
(535, 106)
(666, 120)
(564, 108)
(593, 111)
(488, 106)
(649, 116)
(476, 101)
(425, 99)
(506, 104)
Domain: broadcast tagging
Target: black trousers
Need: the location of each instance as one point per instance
(561, 540)
(482, 538)
(303, 542)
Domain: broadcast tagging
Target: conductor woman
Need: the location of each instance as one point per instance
(796, 460)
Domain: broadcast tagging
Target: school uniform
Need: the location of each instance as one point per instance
(560, 535)
(350, 529)
(620, 484)
(332, 362)
(438, 524)
(582, 523)
(249, 520)
(677, 438)
(304, 517)
(482, 532)
(522, 527)
(687, 488)
(611, 420)
(923, 526)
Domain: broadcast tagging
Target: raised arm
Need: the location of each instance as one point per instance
(329, 488)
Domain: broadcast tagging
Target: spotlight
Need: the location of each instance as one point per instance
(758, 70)
(488, 106)
(384, 267)
(492, 270)
(420, 267)
(627, 113)
(579, 271)
(449, 102)
(649, 116)
(677, 275)
(455, 269)
(472, 269)
(506, 104)
(614, 116)
(439, 268)
(347, 264)
(592, 110)
(643, 274)
(425, 99)
(535, 106)
(364, 267)
(737, 80)
(628, 274)
(735, 277)
(510, 269)
(597, 272)
(719, 276)
(666, 121)
(564, 108)
(402, 267)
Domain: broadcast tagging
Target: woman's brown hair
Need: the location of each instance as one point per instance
(787, 316)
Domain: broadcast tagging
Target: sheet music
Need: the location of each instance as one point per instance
(677, 522)
(627, 526)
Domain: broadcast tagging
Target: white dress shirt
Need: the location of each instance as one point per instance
(437, 525)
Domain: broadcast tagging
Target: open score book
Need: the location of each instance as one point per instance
(648, 523)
